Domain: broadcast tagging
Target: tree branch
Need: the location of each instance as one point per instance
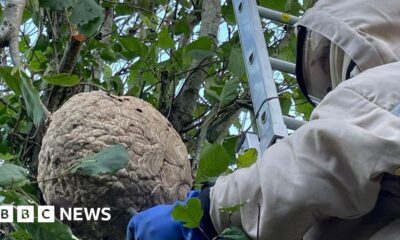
(9, 28)
(185, 103)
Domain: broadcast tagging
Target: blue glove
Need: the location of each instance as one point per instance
(157, 224)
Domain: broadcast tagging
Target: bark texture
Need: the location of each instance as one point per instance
(9, 28)
(185, 103)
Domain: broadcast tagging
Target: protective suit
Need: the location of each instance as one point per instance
(337, 37)
(334, 178)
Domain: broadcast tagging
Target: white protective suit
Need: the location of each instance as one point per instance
(335, 177)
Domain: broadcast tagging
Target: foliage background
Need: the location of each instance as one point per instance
(182, 56)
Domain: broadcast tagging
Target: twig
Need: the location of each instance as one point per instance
(204, 233)
(64, 172)
(258, 221)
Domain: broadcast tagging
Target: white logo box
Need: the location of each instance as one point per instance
(26, 214)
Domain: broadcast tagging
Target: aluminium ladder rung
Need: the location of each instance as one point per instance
(292, 123)
(277, 16)
(283, 66)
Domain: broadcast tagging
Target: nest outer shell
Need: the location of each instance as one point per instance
(158, 170)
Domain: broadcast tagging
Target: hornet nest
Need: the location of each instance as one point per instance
(158, 170)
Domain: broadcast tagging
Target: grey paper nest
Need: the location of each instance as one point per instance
(158, 170)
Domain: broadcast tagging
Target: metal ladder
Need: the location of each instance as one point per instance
(271, 123)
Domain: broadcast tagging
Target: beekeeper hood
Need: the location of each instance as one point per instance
(338, 39)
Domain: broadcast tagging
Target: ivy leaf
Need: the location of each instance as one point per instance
(109, 160)
(88, 15)
(214, 160)
(56, 5)
(164, 39)
(234, 233)
(247, 158)
(32, 100)
(13, 175)
(62, 79)
(190, 214)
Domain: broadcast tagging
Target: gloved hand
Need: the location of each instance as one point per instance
(157, 224)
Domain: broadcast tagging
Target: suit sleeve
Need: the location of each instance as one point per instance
(330, 167)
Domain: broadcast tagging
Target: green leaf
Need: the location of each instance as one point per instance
(203, 43)
(201, 48)
(32, 100)
(183, 27)
(236, 63)
(12, 81)
(164, 39)
(287, 51)
(92, 26)
(301, 104)
(62, 79)
(109, 160)
(124, 9)
(232, 209)
(228, 13)
(222, 92)
(213, 90)
(190, 214)
(294, 7)
(48, 231)
(247, 158)
(6, 156)
(88, 15)
(306, 109)
(278, 5)
(285, 100)
(214, 160)
(108, 54)
(56, 4)
(20, 235)
(234, 233)
(134, 45)
(231, 144)
(229, 92)
(13, 175)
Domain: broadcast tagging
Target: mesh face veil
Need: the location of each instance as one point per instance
(323, 65)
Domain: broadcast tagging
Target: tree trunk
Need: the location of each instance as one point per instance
(185, 103)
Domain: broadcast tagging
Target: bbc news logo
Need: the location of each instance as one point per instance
(47, 214)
